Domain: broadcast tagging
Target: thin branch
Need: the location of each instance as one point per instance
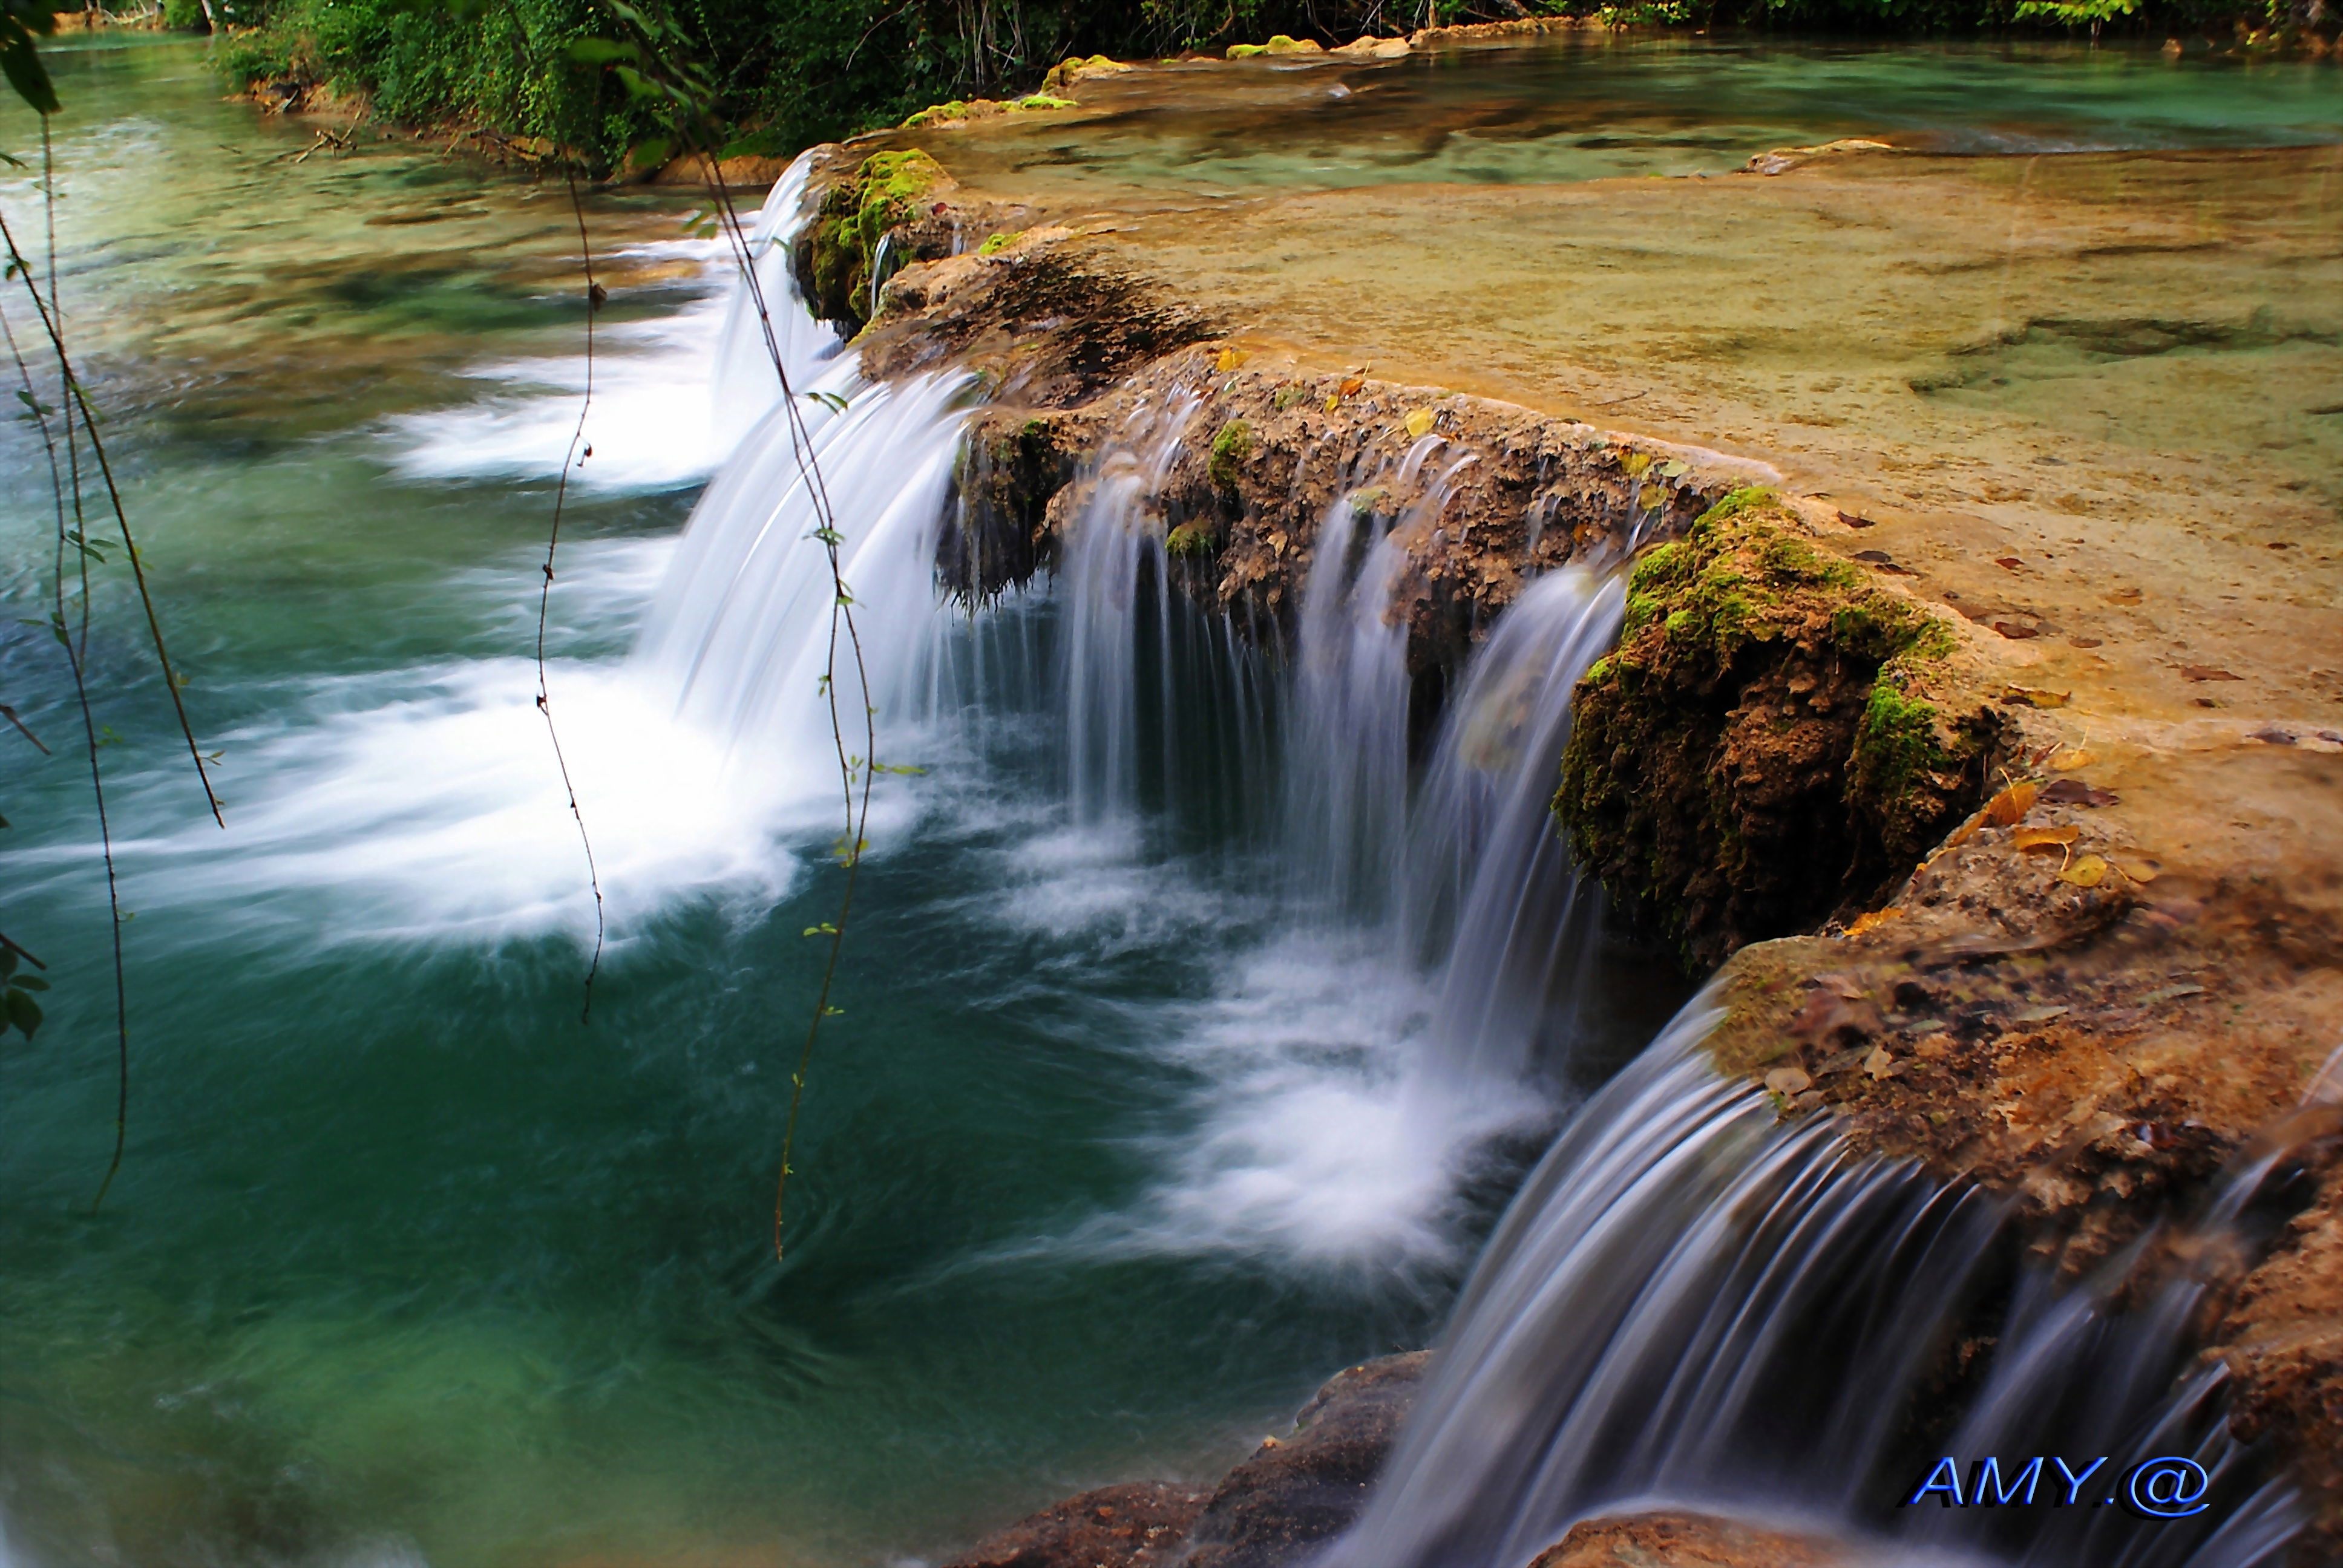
(594, 298)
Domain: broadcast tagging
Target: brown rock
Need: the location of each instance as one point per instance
(1299, 1490)
(1684, 1540)
(1124, 1526)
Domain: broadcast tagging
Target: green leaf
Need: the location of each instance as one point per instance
(602, 51)
(20, 62)
(31, 982)
(22, 1011)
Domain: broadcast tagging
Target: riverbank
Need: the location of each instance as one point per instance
(2063, 405)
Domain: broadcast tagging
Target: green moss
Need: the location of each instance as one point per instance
(1045, 101)
(1231, 446)
(1896, 743)
(995, 243)
(1245, 52)
(1736, 502)
(1287, 396)
(1190, 541)
(855, 215)
(1367, 502)
(1777, 733)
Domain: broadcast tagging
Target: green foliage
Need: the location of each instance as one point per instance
(18, 1011)
(22, 21)
(2075, 13)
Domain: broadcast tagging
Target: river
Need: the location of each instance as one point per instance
(1137, 1121)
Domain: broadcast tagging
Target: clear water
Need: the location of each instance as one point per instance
(1589, 107)
(1106, 1164)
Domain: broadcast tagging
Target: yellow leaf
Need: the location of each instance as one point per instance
(2009, 808)
(1230, 359)
(1635, 463)
(2069, 761)
(2088, 872)
(2142, 872)
(1333, 401)
(1420, 422)
(2046, 840)
(1873, 921)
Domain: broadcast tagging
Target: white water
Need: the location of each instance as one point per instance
(1691, 1304)
(1389, 1023)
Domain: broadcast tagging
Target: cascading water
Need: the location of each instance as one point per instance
(1690, 1304)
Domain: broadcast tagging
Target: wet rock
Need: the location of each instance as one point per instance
(1687, 1540)
(1136, 1524)
(1302, 1490)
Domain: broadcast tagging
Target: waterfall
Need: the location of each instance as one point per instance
(1691, 1304)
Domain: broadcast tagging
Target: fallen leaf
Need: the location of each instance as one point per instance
(2030, 696)
(2045, 841)
(1879, 1063)
(2141, 871)
(2009, 808)
(1854, 520)
(1419, 423)
(1675, 468)
(2068, 761)
(1786, 1082)
(2205, 672)
(2014, 629)
(1873, 921)
(2008, 563)
(2074, 793)
(2170, 992)
(2274, 737)
(2040, 1014)
(1230, 359)
(2087, 872)
(1333, 401)
(1881, 556)
(2083, 642)
(2123, 596)
(1353, 386)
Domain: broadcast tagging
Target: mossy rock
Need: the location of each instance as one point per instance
(1190, 541)
(1777, 738)
(1231, 446)
(994, 244)
(856, 215)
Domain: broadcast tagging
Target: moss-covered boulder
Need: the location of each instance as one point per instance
(1777, 738)
(888, 194)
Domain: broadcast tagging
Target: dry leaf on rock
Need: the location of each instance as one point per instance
(1419, 423)
(2009, 808)
(2046, 840)
(2031, 695)
(2068, 761)
(1230, 359)
(2205, 672)
(1873, 921)
(2088, 871)
(1786, 1082)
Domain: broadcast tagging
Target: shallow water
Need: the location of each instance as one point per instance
(1592, 105)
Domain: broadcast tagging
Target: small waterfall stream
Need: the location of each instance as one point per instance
(1687, 1302)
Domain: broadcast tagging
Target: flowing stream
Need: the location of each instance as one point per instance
(1194, 1031)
